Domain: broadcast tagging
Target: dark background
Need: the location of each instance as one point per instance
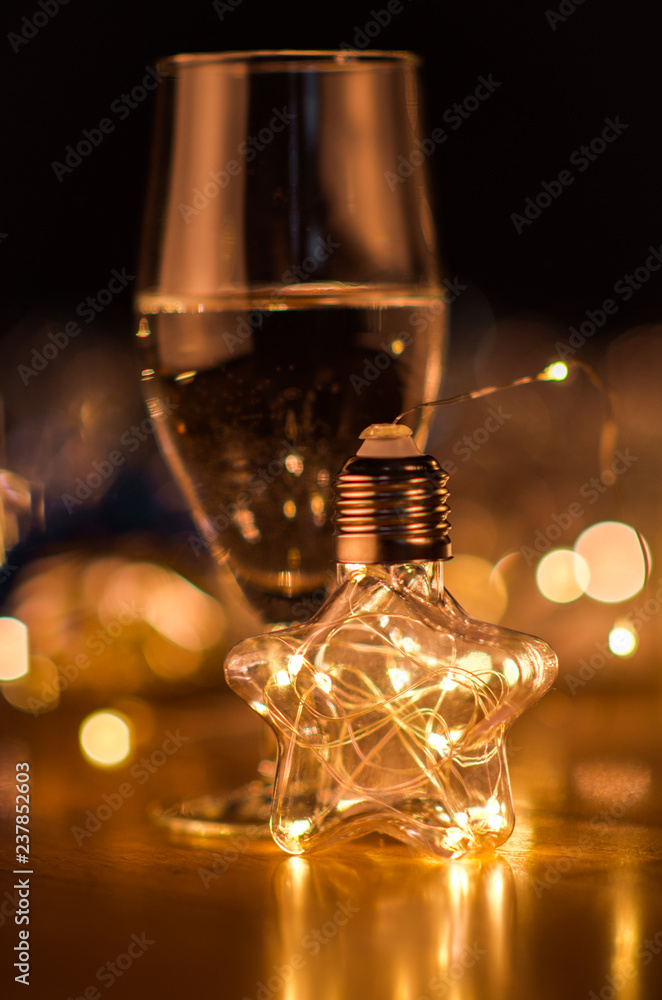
(558, 83)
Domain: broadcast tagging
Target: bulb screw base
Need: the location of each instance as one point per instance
(391, 510)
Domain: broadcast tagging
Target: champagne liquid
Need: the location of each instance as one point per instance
(260, 400)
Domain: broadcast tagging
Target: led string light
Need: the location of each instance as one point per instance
(558, 371)
(405, 727)
(391, 705)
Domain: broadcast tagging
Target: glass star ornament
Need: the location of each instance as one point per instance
(391, 705)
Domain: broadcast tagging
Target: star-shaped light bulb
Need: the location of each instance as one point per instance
(391, 705)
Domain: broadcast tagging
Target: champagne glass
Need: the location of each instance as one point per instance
(288, 296)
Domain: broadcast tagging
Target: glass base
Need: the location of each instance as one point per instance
(245, 810)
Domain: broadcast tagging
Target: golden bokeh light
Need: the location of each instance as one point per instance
(562, 576)
(14, 654)
(38, 690)
(172, 605)
(613, 552)
(105, 738)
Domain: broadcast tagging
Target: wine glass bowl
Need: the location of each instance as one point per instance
(288, 294)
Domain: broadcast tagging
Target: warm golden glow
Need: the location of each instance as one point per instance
(172, 605)
(289, 509)
(478, 586)
(37, 691)
(623, 782)
(615, 560)
(14, 656)
(105, 738)
(627, 939)
(562, 576)
(623, 639)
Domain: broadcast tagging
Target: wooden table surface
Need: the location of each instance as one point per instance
(570, 907)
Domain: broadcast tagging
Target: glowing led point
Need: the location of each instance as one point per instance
(439, 742)
(289, 509)
(562, 576)
(556, 372)
(282, 678)
(295, 664)
(323, 681)
(105, 738)
(298, 826)
(397, 346)
(448, 684)
(623, 640)
(512, 674)
(399, 678)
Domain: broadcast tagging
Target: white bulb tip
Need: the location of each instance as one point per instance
(388, 441)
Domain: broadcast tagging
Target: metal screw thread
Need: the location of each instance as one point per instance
(391, 510)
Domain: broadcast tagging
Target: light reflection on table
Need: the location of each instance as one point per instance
(570, 901)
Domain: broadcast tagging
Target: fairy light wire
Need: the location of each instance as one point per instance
(349, 704)
(558, 371)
